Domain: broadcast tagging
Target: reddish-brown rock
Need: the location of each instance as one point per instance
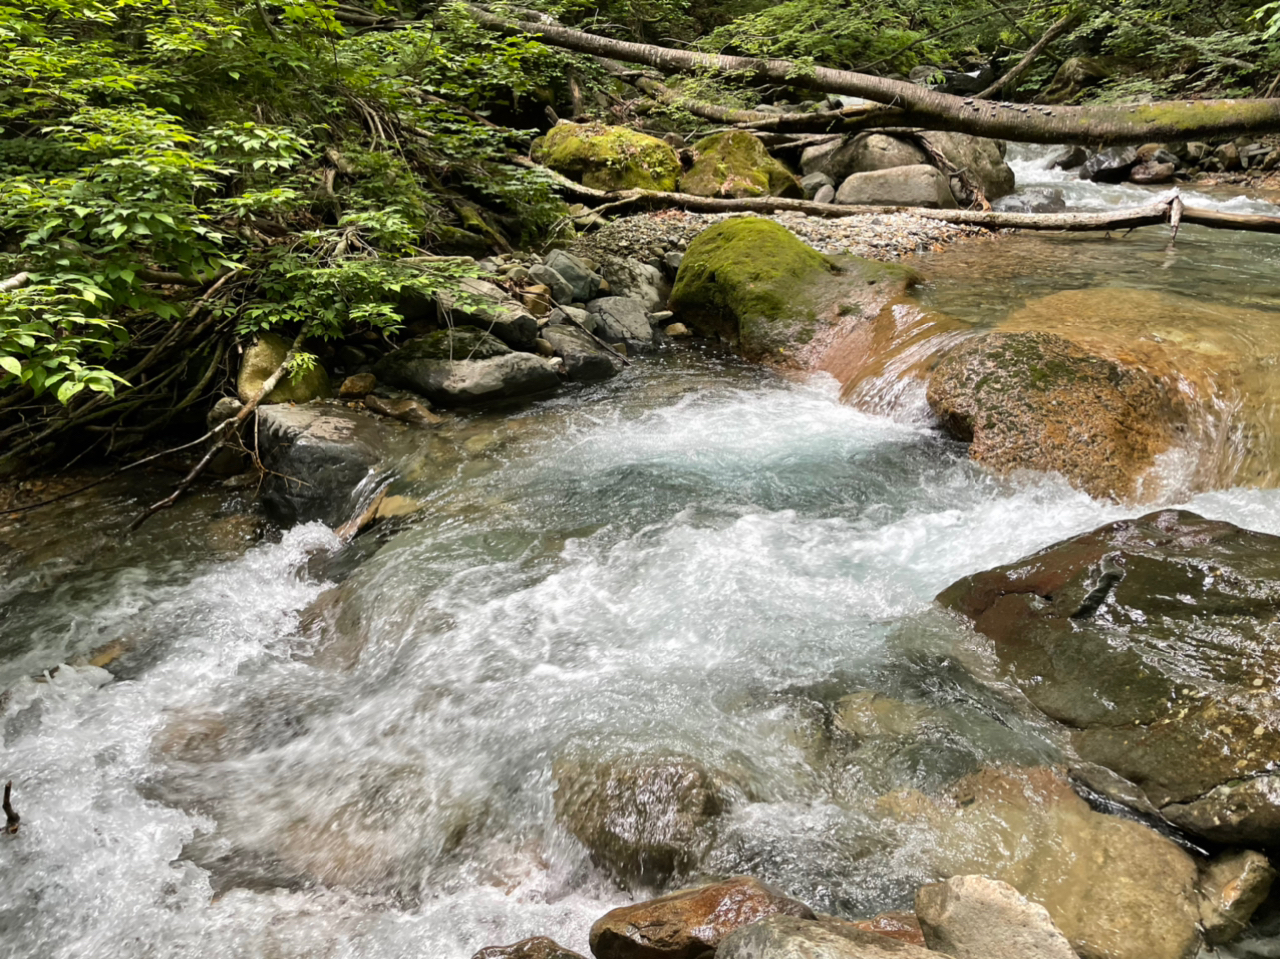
(896, 925)
(686, 924)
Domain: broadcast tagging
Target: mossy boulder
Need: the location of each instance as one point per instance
(262, 359)
(734, 165)
(609, 158)
(751, 281)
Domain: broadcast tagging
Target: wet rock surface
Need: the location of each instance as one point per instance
(1116, 888)
(315, 456)
(690, 923)
(642, 819)
(1154, 640)
(1029, 400)
(787, 937)
(535, 947)
(1232, 887)
(585, 360)
(973, 917)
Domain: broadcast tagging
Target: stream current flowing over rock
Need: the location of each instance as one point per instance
(325, 752)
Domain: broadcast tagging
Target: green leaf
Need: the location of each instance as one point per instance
(11, 364)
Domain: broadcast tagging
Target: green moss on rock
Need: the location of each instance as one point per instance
(457, 343)
(734, 165)
(609, 158)
(262, 359)
(752, 281)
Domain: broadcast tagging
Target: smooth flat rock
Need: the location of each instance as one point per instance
(919, 185)
(973, 917)
(689, 923)
(465, 366)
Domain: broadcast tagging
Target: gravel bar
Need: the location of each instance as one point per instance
(877, 236)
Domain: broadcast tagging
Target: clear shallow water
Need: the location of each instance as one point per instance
(308, 750)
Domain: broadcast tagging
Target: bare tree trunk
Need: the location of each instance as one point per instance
(1019, 68)
(907, 104)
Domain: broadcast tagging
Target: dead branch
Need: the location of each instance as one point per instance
(11, 819)
(1019, 68)
(227, 426)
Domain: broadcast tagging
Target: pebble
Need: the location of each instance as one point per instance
(877, 236)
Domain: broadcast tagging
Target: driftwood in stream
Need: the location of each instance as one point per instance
(909, 104)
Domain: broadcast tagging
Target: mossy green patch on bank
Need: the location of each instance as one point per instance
(609, 158)
(751, 280)
(736, 164)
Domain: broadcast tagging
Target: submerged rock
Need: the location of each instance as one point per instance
(1038, 401)
(895, 925)
(919, 185)
(1154, 641)
(788, 937)
(1115, 888)
(465, 366)
(262, 359)
(1232, 886)
(691, 923)
(753, 282)
(643, 819)
(536, 947)
(1034, 200)
(609, 158)
(973, 917)
(736, 164)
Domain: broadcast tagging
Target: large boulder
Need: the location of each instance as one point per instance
(973, 917)
(621, 319)
(585, 360)
(262, 359)
(1116, 888)
(981, 158)
(582, 280)
(691, 923)
(609, 158)
(789, 937)
(752, 281)
(464, 366)
(864, 153)
(480, 303)
(1154, 641)
(736, 164)
(316, 456)
(1038, 401)
(918, 185)
(1073, 77)
(643, 819)
(1110, 166)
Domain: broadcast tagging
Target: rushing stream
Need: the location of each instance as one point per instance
(308, 750)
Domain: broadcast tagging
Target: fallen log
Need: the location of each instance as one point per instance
(1160, 210)
(908, 104)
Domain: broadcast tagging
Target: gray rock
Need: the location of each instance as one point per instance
(622, 320)
(789, 937)
(672, 262)
(1247, 811)
(973, 917)
(465, 367)
(316, 456)
(878, 151)
(980, 157)
(813, 182)
(505, 318)
(584, 281)
(920, 185)
(641, 281)
(1232, 886)
(1152, 172)
(1110, 166)
(1070, 158)
(564, 314)
(561, 291)
(826, 195)
(585, 360)
(660, 318)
